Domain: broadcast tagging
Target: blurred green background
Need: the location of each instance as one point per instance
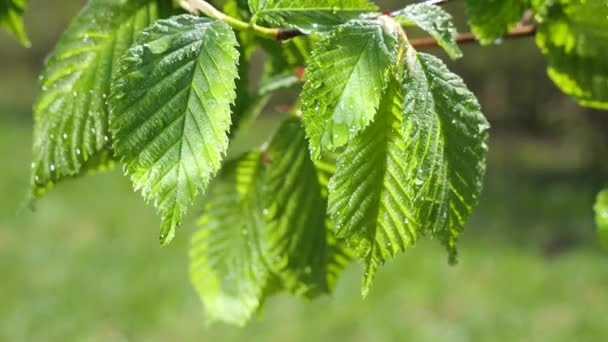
(86, 265)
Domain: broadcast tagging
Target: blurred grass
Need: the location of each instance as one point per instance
(86, 266)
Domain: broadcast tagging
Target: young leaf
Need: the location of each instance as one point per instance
(170, 111)
(601, 217)
(295, 213)
(70, 114)
(434, 20)
(11, 18)
(492, 19)
(417, 169)
(227, 265)
(574, 37)
(345, 78)
(308, 14)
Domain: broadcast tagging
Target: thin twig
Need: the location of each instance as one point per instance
(282, 34)
(468, 37)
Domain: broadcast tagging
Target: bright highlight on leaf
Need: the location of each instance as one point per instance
(345, 78)
(492, 19)
(71, 117)
(171, 111)
(434, 20)
(574, 37)
(309, 14)
(11, 18)
(601, 217)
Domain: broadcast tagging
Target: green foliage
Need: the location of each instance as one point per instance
(171, 111)
(385, 145)
(264, 230)
(345, 77)
(308, 14)
(11, 18)
(70, 113)
(491, 19)
(573, 34)
(434, 20)
(601, 217)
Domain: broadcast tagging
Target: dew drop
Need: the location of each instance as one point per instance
(33, 165)
(52, 167)
(78, 151)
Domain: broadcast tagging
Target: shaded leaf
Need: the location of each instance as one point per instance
(295, 213)
(227, 265)
(171, 111)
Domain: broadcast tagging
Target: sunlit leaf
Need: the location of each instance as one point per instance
(171, 111)
(345, 78)
(416, 170)
(492, 19)
(574, 36)
(308, 14)
(70, 114)
(11, 18)
(601, 217)
(434, 20)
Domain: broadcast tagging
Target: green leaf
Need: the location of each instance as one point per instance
(345, 78)
(446, 146)
(416, 170)
(573, 35)
(295, 214)
(492, 19)
(70, 114)
(366, 193)
(11, 18)
(434, 20)
(227, 265)
(171, 111)
(312, 15)
(601, 217)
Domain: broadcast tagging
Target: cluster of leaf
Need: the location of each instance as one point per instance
(384, 146)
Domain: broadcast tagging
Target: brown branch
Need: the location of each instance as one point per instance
(468, 37)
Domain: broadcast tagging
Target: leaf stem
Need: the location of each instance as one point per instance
(210, 11)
